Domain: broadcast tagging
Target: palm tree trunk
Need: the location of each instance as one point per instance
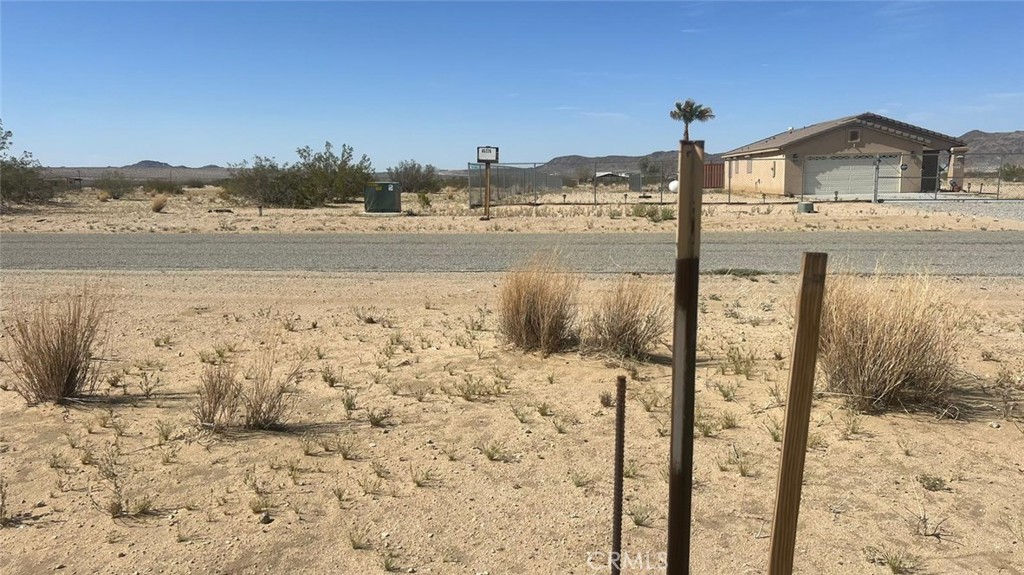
(686, 131)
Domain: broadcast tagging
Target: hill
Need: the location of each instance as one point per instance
(988, 150)
(569, 165)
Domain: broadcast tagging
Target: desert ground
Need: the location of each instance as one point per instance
(191, 212)
(422, 476)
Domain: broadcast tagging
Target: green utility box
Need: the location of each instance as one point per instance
(383, 198)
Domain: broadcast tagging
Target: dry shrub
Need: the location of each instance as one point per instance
(218, 397)
(266, 398)
(537, 306)
(103, 196)
(54, 346)
(158, 203)
(890, 341)
(629, 320)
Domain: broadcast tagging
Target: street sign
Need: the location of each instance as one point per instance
(486, 154)
(903, 167)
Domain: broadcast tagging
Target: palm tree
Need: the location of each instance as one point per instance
(689, 112)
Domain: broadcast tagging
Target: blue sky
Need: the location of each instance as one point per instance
(197, 83)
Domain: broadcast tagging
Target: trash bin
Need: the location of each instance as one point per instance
(382, 198)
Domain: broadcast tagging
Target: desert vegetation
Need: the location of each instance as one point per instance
(317, 178)
(21, 177)
(891, 343)
(393, 421)
(54, 345)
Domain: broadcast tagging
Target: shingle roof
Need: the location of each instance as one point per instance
(902, 129)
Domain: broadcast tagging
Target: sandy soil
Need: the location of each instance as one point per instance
(544, 509)
(191, 213)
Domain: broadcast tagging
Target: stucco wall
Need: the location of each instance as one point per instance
(760, 174)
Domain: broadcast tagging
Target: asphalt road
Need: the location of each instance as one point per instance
(946, 253)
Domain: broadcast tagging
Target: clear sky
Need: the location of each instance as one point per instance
(97, 84)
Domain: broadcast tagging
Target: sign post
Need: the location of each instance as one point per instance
(487, 155)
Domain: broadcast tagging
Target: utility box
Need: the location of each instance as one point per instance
(382, 198)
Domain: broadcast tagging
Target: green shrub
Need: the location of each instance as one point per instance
(21, 177)
(415, 178)
(114, 183)
(1012, 172)
(317, 178)
(163, 187)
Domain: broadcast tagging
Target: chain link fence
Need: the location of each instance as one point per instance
(597, 183)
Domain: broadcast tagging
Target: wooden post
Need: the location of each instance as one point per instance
(798, 412)
(487, 191)
(684, 356)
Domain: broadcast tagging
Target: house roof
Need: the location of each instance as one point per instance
(934, 140)
(610, 175)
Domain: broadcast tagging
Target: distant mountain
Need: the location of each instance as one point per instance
(986, 151)
(569, 165)
(149, 164)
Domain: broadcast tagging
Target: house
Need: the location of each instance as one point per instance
(840, 156)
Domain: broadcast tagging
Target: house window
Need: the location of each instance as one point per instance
(750, 165)
(854, 136)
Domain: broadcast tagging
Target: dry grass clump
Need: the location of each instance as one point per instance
(629, 320)
(890, 341)
(266, 399)
(219, 394)
(158, 203)
(54, 345)
(537, 306)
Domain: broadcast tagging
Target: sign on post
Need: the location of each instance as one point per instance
(487, 155)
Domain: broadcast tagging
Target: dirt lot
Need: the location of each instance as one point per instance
(418, 489)
(191, 212)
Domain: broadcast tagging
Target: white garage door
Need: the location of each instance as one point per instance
(851, 175)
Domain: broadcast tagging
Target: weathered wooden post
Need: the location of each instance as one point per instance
(798, 412)
(684, 355)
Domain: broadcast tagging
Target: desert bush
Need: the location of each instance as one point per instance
(890, 341)
(537, 306)
(103, 196)
(114, 183)
(317, 178)
(266, 398)
(218, 397)
(415, 178)
(1012, 172)
(163, 187)
(629, 320)
(158, 203)
(21, 177)
(54, 346)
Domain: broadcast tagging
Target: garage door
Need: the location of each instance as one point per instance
(851, 175)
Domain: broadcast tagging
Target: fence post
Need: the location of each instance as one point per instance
(798, 412)
(878, 169)
(999, 176)
(684, 356)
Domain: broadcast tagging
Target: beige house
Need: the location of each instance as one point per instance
(841, 156)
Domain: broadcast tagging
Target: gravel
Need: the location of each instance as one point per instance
(1002, 210)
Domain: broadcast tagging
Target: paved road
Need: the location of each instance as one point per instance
(949, 253)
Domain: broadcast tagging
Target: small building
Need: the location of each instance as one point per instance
(609, 178)
(839, 156)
